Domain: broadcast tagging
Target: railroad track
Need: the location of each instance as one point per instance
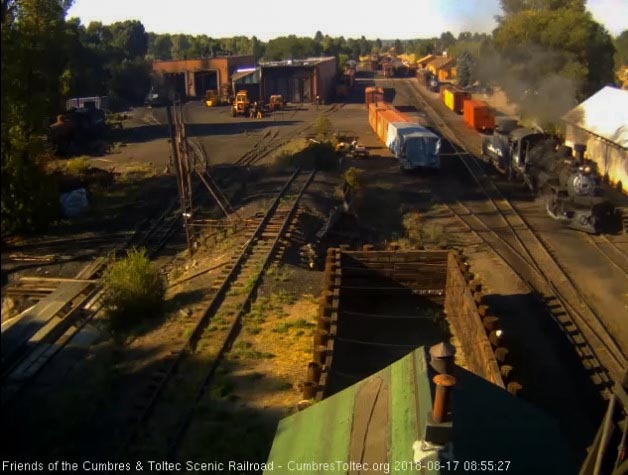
(73, 303)
(506, 231)
(78, 302)
(271, 142)
(185, 374)
(67, 306)
(611, 251)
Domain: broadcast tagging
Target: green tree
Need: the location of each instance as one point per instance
(538, 43)
(465, 36)
(512, 7)
(160, 46)
(446, 40)
(180, 46)
(621, 46)
(130, 38)
(130, 80)
(465, 68)
(291, 47)
(33, 60)
(257, 48)
(399, 49)
(365, 46)
(318, 37)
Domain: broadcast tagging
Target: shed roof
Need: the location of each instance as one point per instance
(378, 420)
(604, 114)
(425, 58)
(297, 62)
(440, 62)
(241, 74)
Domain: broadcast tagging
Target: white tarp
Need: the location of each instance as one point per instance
(605, 114)
(413, 145)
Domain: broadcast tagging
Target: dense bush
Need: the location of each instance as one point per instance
(354, 178)
(322, 127)
(134, 291)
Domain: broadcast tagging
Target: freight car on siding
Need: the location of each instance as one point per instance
(454, 99)
(478, 115)
(415, 146)
(373, 94)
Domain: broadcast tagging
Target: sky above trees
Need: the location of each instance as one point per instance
(404, 19)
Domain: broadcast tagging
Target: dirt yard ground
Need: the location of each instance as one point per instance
(89, 400)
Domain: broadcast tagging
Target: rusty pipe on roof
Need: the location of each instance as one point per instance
(444, 384)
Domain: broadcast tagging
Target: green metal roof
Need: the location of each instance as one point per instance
(377, 421)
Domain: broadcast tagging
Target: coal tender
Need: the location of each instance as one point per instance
(509, 147)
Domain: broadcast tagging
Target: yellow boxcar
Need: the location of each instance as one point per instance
(449, 99)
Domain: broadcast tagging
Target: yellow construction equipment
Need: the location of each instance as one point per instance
(241, 104)
(212, 99)
(276, 102)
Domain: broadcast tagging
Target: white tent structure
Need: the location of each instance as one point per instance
(601, 124)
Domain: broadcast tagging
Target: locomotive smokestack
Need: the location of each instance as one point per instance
(579, 152)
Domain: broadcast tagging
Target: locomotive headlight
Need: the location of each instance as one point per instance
(587, 169)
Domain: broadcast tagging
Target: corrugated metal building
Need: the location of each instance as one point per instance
(193, 77)
(299, 80)
(601, 124)
(248, 80)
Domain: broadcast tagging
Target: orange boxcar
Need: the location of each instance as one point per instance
(373, 109)
(384, 118)
(373, 94)
(382, 107)
(478, 115)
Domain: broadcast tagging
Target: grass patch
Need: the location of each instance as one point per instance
(256, 330)
(77, 166)
(279, 273)
(243, 345)
(243, 350)
(136, 171)
(281, 385)
(282, 297)
(301, 323)
(282, 328)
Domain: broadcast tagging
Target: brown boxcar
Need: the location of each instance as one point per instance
(373, 94)
(454, 99)
(478, 115)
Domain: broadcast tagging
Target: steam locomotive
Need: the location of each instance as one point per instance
(571, 186)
